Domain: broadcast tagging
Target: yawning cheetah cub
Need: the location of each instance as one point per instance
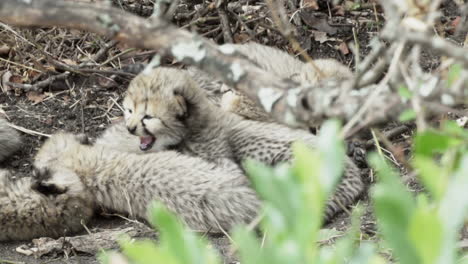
(167, 109)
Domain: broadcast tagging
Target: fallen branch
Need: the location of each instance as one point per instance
(91, 243)
(286, 101)
(156, 33)
(38, 86)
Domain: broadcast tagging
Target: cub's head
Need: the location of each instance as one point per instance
(157, 106)
(57, 147)
(52, 170)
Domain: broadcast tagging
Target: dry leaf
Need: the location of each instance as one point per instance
(317, 21)
(4, 49)
(6, 76)
(35, 97)
(106, 82)
(240, 38)
(319, 36)
(69, 62)
(339, 10)
(76, 32)
(343, 47)
(32, 74)
(310, 4)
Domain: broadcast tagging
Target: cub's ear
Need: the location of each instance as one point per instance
(182, 112)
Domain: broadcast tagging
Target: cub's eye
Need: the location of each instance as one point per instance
(147, 117)
(129, 110)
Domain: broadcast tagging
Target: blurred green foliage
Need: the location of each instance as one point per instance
(413, 229)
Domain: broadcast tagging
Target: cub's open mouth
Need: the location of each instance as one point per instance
(147, 142)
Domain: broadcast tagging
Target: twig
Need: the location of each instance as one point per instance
(5, 261)
(158, 34)
(286, 101)
(101, 53)
(436, 43)
(28, 131)
(377, 90)
(389, 134)
(279, 17)
(19, 64)
(227, 34)
(39, 85)
(363, 67)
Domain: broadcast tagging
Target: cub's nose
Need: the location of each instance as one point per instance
(131, 130)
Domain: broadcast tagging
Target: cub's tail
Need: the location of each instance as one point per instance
(10, 140)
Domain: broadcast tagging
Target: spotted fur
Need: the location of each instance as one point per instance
(10, 140)
(206, 197)
(274, 61)
(25, 212)
(170, 106)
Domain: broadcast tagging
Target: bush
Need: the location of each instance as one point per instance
(421, 229)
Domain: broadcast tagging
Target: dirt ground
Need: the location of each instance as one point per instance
(88, 101)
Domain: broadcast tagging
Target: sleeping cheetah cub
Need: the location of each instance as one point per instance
(205, 197)
(26, 213)
(167, 109)
(274, 61)
(10, 140)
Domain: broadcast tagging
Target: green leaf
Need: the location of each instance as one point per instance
(432, 175)
(454, 73)
(183, 244)
(147, 252)
(452, 128)
(365, 254)
(320, 170)
(426, 231)
(430, 142)
(346, 246)
(331, 148)
(393, 207)
(249, 247)
(269, 183)
(103, 257)
(404, 92)
(307, 165)
(453, 210)
(407, 115)
(326, 234)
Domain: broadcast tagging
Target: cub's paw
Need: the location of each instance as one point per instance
(357, 152)
(230, 101)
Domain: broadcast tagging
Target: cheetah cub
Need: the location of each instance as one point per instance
(274, 61)
(25, 212)
(167, 109)
(10, 140)
(205, 197)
